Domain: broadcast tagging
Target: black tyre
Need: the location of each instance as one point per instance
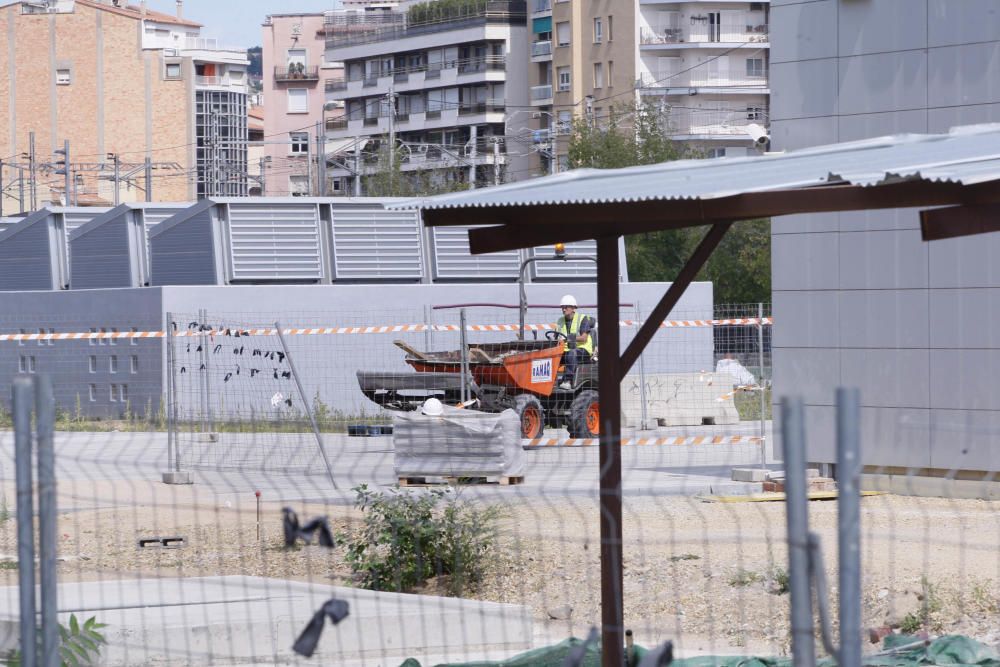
(585, 415)
(529, 410)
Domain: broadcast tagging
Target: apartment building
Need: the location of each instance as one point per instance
(118, 80)
(703, 62)
(442, 84)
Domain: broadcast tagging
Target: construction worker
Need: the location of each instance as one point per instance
(579, 343)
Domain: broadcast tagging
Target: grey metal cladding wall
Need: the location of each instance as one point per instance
(452, 259)
(101, 256)
(275, 242)
(26, 260)
(74, 219)
(569, 269)
(375, 244)
(184, 254)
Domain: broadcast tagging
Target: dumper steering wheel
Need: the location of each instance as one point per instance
(553, 335)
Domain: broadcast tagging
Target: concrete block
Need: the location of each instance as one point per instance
(680, 399)
(749, 474)
(255, 620)
(178, 477)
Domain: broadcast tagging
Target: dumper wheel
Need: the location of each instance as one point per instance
(529, 409)
(585, 415)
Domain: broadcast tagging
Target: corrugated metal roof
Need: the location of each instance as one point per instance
(966, 155)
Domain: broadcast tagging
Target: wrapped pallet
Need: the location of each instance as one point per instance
(454, 442)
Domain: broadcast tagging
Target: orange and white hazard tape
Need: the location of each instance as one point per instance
(542, 443)
(325, 331)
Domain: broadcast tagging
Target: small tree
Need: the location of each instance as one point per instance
(389, 179)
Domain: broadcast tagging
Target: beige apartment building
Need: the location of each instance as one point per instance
(702, 63)
(122, 84)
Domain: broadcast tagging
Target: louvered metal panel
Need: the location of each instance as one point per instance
(183, 253)
(274, 242)
(453, 261)
(570, 269)
(31, 255)
(154, 216)
(375, 244)
(102, 254)
(73, 218)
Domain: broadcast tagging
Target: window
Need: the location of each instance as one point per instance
(102, 340)
(51, 341)
(755, 113)
(63, 77)
(611, 27)
(93, 341)
(598, 30)
(23, 332)
(123, 392)
(611, 74)
(133, 340)
(299, 142)
(26, 364)
(598, 75)
(715, 152)
(113, 341)
(298, 186)
(93, 363)
(133, 365)
(563, 74)
(755, 68)
(562, 33)
(92, 394)
(172, 71)
(298, 100)
(112, 364)
(113, 394)
(565, 122)
(296, 57)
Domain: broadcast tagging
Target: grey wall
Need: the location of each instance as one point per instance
(327, 363)
(859, 299)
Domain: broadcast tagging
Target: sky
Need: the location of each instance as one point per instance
(237, 22)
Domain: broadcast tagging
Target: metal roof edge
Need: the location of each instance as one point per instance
(28, 220)
(182, 216)
(107, 216)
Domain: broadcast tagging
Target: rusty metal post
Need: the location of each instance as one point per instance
(609, 372)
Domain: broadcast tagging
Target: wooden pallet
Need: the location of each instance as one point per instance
(503, 480)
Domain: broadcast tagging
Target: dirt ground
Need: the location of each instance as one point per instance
(708, 575)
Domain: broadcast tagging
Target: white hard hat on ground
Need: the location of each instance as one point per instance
(432, 407)
(568, 300)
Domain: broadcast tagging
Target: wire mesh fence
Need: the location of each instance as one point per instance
(233, 568)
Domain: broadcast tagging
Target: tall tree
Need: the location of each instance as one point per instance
(389, 179)
(740, 268)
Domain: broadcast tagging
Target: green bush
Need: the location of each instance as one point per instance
(408, 538)
(78, 644)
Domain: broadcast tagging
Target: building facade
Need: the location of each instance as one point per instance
(704, 64)
(295, 69)
(438, 84)
(860, 299)
(122, 84)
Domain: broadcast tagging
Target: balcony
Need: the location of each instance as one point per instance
(539, 49)
(219, 82)
(333, 85)
(429, 18)
(470, 109)
(541, 94)
(541, 6)
(710, 123)
(657, 84)
(702, 33)
(336, 124)
(296, 72)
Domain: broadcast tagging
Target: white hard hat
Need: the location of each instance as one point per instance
(432, 407)
(567, 300)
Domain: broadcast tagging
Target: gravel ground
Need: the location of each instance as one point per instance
(707, 575)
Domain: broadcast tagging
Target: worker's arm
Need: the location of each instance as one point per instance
(584, 335)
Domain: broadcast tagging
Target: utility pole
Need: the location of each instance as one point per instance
(357, 166)
(473, 138)
(3, 188)
(114, 157)
(321, 157)
(149, 178)
(391, 100)
(263, 178)
(20, 188)
(33, 182)
(496, 161)
(62, 167)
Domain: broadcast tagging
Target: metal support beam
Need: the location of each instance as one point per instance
(609, 370)
(957, 221)
(673, 295)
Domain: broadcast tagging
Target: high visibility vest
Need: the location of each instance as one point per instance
(574, 328)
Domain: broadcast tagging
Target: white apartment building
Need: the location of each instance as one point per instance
(439, 81)
(704, 62)
(707, 62)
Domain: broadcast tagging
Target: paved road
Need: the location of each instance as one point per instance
(550, 472)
